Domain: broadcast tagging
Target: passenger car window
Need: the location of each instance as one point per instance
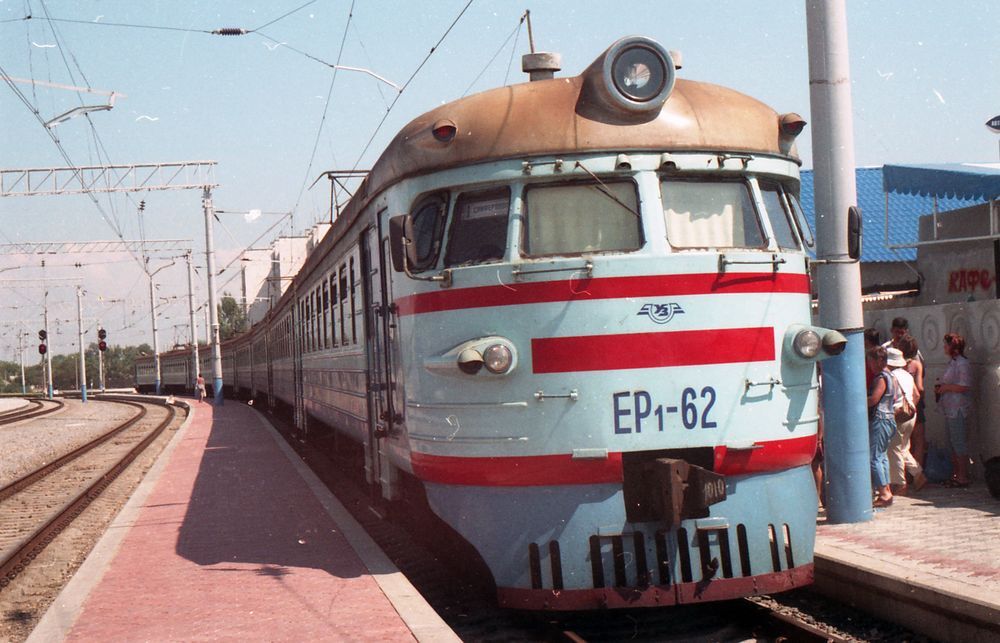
(778, 215)
(428, 224)
(710, 214)
(581, 217)
(478, 228)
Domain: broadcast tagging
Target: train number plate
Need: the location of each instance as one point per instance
(636, 411)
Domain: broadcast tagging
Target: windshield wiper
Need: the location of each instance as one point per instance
(603, 189)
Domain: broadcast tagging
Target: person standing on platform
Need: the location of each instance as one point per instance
(200, 388)
(954, 395)
(915, 367)
(901, 461)
(881, 424)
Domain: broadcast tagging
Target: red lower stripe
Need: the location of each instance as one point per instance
(583, 289)
(651, 350)
(563, 469)
(524, 471)
(765, 456)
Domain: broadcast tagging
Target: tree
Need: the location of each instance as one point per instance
(232, 319)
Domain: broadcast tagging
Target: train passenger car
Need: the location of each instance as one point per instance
(176, 374)
(576, 313)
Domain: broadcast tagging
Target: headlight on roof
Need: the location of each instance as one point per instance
(639, 74)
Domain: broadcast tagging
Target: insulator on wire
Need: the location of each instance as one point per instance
(230, 31)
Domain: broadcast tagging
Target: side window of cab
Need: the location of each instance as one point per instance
(428, 225)
(479, 228)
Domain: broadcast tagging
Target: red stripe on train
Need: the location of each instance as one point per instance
(765, 456)
(547, 470)
(522, 471)
(583, 289)
(651, 350)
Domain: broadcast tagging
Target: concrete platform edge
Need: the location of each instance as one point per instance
(57, 621)
(423, 622)
(927, 605)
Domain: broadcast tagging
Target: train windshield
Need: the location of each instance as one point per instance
(710, 214)
(581, 217)
(778, 214)
(478, 228)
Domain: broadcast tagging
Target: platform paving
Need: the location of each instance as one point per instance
(930, 562)
(231, 537)
(12, 403)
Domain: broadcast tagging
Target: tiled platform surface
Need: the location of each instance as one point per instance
(11, 403)
(231, 537)
(930, 562)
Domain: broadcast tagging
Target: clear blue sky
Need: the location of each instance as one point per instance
(924, 79)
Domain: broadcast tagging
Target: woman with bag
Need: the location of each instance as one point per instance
(954, 393)
(901, 461)
(881, 424)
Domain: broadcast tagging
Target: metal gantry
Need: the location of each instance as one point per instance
(138, 177)
(74, 247)
(186, 175)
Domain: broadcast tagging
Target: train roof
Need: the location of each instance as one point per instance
(563, 116)
(570, 115)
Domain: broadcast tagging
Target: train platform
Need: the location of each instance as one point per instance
(231, 537)
(12, 404)
(930, 562)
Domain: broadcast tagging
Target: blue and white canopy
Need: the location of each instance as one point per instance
(970, 181)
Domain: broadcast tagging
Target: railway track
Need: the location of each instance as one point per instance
(41, 504)
(441, 573)
(36, 408)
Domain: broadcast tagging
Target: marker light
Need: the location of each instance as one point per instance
(444, 131)
(807, 343)
(497, 358)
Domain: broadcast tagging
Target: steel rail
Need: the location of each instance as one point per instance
(29, 547)
(29, 479)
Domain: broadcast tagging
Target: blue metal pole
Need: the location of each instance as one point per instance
(838, 278)
(846, 470)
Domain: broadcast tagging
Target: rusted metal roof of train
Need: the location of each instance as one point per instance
(549, 118)
(553, 117)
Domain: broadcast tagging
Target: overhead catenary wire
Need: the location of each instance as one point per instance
(408, 81)
(516, 30)
(326, 109)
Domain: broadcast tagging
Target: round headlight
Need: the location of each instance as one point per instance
(639, 74)
(497, 358)
(807, 344)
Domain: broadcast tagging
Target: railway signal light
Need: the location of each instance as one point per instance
(102, 334)
(42, 349)
(42, 334)
(102, 346)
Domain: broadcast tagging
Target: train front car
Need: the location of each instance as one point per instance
(603, 329)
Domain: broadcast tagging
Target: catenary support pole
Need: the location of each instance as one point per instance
(48, 351)
(213, 302)
(157, 382)
(846, 461)
(100, 362)
(20, 350)
(195, 366)
(83, 363)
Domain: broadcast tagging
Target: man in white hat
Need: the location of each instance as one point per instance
(901, 461)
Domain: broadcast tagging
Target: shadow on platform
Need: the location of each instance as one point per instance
(250, 506)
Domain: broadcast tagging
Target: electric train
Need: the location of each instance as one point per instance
(575, 312)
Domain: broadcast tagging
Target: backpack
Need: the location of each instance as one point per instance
(901, 406)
